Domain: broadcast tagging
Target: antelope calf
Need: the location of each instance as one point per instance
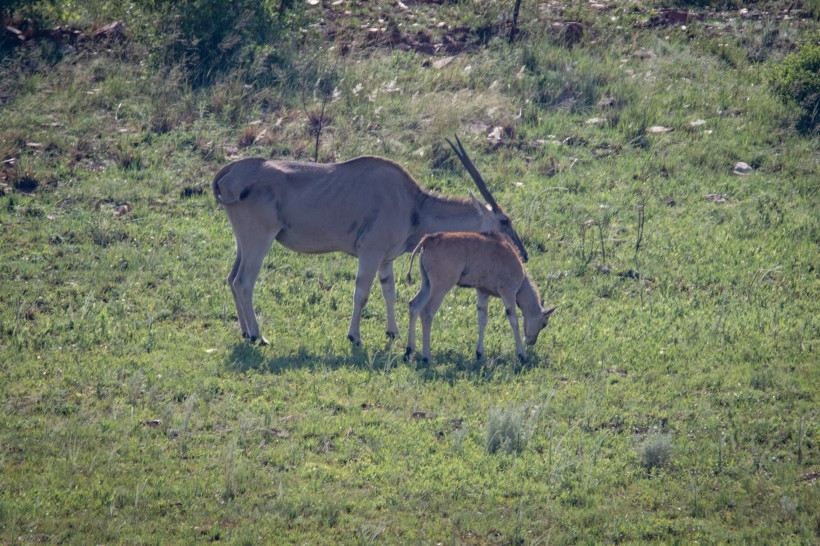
(486, 262)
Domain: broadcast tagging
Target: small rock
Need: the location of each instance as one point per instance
(742, 169)
(716, 198)
(111, 32)
(645, 54)
(657, 130)
(499, 134)
(15, 34)
(596, 121)
(697, 123)
(441, 63)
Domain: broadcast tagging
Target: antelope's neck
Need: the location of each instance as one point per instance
(527, 297)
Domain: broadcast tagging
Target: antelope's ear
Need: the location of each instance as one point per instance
(549, 312)
(482, 209)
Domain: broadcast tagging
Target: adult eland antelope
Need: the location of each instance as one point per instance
(368, 207)
(486, 262)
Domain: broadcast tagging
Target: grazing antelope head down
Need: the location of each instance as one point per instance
(368, 207)
(486, 262)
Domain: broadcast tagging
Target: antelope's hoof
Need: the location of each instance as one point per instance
(354, 341)
(522, 358)
(407, 353)
(391, 335)
(260, 340)
(479, 356)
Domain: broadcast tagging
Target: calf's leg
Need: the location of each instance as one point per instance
(416, 305)
(509, 308)
(427, 314)
(483, 303)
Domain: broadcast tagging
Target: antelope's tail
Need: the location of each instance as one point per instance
(215, 185)
(417, 250)
(230, 186)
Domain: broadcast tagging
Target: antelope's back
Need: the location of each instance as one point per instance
(367, 203)
(481, 259)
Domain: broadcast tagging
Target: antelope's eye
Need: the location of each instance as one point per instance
(505, 222)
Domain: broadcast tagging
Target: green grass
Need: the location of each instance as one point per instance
(672, 398)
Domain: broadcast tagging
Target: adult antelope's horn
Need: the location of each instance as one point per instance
(471, 168)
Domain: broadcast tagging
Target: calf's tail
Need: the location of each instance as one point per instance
(417, 250)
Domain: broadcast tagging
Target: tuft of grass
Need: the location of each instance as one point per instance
(508, 429)
(656, 451)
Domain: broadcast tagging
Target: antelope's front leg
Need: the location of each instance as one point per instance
(509, 308)
(483, 303)
(415, 307)
(388, 284)
(368, 265)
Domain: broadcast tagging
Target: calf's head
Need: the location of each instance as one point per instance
(534, 325)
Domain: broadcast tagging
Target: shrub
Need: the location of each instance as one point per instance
(797, 79)
(8, 7)
(208, 36)
(656, 452)
(508, 429)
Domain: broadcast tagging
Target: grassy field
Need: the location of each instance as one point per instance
(673, 397)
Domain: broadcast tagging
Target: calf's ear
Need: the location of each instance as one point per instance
(481, 209)
(549, 312)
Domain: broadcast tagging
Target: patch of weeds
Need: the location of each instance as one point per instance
(656, 452)
(248, 136)
(762, 379)
(508, 429)
(127, 156)
(797, 80)
(230, 486)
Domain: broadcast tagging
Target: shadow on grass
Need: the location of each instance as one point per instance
(445, 366)
(244, 357)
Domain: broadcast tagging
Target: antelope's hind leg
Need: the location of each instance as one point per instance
(388, 284)
(240, 314)
(368, 265)
(251, 250)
